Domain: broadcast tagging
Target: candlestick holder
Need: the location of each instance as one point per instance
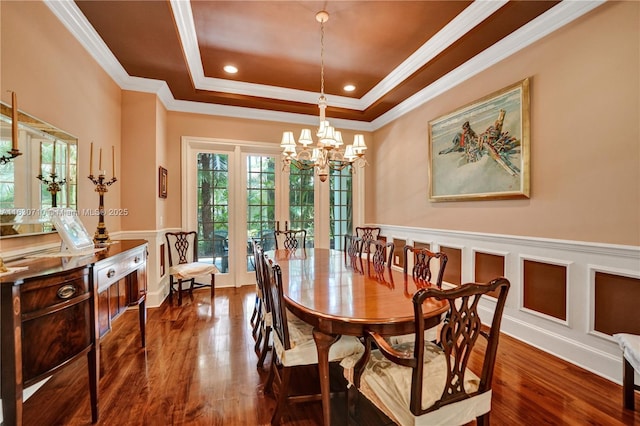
(12, 154)
(101, 237)
(53, 186)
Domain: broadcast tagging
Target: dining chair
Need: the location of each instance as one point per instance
(379, 253)
(420, 383)
(294, 346)
(184, 265)
(630, 346)
(424, 265)
(290, 239)
(352, 247)
(424, 261)
(263, 323)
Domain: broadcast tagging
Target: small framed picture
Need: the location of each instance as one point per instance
(162, 182)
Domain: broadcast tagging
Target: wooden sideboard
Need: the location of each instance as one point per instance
(55, 312)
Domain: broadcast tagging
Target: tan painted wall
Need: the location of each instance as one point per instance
(139, 160)
(585, 141)
(57, 81)
(162, 205)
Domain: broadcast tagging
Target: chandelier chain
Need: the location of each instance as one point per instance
(322, 57)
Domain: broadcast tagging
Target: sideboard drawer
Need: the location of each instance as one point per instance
(118, 267)
(54, 292)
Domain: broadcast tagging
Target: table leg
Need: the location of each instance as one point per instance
(323, 343)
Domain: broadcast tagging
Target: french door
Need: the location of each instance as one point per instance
(232, 193)
(235, 192)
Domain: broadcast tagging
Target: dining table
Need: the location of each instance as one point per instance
(342, 295)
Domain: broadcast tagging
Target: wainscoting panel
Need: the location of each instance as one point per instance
(616, 304)
(488, 266)
(453, 270)
(544, 288)
(398, 255)
(581, 305)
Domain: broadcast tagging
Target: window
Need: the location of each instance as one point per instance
(301, 201)
(341, 207)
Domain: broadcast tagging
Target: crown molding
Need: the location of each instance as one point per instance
(555, 18)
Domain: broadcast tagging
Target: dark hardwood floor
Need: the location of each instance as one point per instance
(199, 368)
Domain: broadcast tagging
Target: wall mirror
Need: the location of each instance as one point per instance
(23, 196)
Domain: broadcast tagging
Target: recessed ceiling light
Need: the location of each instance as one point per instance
(349, 88)
(230, 69)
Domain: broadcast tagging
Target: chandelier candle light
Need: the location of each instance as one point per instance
(101, 236)
(328, 153)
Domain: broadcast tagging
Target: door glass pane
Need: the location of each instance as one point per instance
(301, 207)
(341, 207)
(261, 201)
(213, 209)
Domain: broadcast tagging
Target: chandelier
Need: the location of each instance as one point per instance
(328, 153)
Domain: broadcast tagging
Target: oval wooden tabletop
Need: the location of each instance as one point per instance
(339, 297)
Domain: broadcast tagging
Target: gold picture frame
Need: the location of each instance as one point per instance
(162, 182)
(481, 150)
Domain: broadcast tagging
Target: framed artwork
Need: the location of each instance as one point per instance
(162, 182)
(481, 151)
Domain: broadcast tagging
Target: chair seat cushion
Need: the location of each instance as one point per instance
(630, 345)
(303, 348)
(388, 386)
(185, 271)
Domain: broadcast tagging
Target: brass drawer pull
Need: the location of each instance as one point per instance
(66, 291)
(111, 273)
(136, 260)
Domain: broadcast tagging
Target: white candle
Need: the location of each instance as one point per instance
(91, 160)
(14, 121)
(113, 160)
(100, 161)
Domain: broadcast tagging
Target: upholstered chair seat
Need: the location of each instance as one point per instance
(303, 348)
(630, 345)
(187, 271)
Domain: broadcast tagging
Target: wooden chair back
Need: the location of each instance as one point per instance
(275, 295)
(182, 247)
(423, 263)
(368, 233)
(291, 239)
(379, 254)
(261, 272)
